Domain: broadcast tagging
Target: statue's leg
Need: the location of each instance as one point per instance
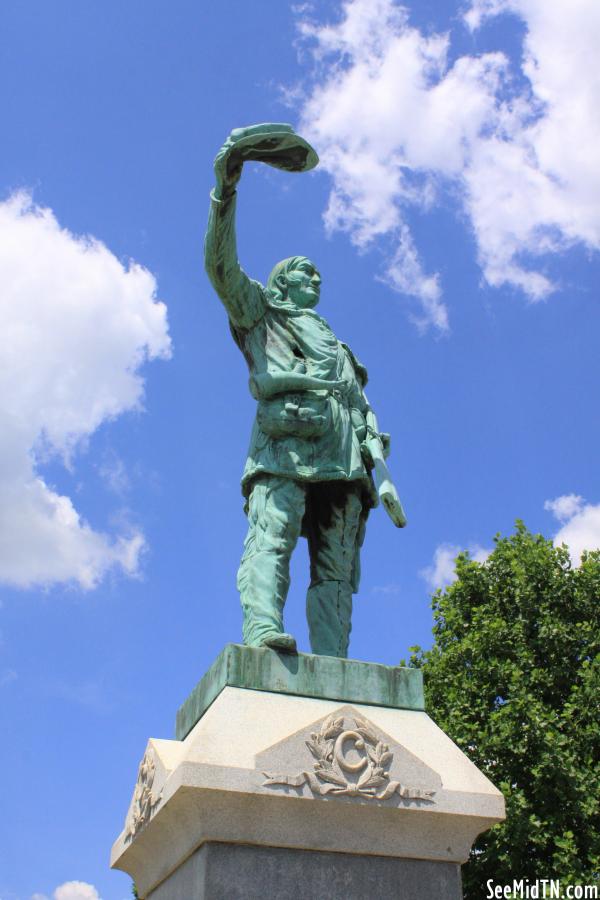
(275, 511)
(333, 520)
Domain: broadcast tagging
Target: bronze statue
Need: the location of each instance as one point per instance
(315, 464)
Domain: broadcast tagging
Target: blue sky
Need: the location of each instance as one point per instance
(454, 219)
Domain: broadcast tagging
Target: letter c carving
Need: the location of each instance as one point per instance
(339, 751)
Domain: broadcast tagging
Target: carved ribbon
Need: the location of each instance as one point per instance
(350, 790)
(328, 747)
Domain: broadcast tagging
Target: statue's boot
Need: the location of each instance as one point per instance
(329, 614)
(284, 642)
(263, 582)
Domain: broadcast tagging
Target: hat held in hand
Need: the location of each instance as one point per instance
(274, 143)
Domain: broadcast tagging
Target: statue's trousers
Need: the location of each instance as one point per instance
(331, 516)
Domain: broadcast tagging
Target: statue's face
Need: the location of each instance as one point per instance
(304, 285)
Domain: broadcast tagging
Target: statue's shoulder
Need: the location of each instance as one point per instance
(246, 306)
(361, 371)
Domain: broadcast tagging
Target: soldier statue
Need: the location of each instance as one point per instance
(315, 464)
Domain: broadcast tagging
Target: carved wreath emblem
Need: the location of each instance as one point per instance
(336, 773)
(144, 801)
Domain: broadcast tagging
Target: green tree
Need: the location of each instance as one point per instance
(514, 679)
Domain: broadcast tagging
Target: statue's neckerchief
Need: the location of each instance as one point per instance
(314, 337)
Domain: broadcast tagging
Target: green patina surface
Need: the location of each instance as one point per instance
(303, 675)
(316, 461)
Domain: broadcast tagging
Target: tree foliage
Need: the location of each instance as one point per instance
(514, 679)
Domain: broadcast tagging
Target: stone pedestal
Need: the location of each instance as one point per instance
(304, 776)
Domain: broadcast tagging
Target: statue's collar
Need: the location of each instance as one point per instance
(292, 310)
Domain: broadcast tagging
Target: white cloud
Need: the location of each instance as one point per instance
(71, 890)
(565, 507)
(406, 275)
(542, 172)
(114, 473)
(77, 326)
(395, 124)
(76, 890)
(581, 524)
(441, 572)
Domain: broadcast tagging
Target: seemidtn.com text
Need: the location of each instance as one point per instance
(541, 889)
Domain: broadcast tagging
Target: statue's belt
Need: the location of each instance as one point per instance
(268, 385)
(292, 404)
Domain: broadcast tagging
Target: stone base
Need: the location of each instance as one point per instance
(273, 791)
(241, 872)
(301, 675)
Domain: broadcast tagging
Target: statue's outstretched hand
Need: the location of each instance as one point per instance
(228, 169)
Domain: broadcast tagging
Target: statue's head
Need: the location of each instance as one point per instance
(296, 280)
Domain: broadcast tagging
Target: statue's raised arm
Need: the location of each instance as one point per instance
(243, 298)
(278, 145)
